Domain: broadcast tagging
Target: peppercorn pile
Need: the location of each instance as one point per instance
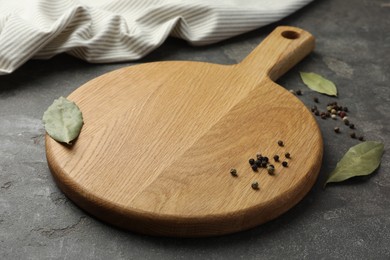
(263, 162)
(336, 112)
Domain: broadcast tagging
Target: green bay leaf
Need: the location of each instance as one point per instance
(361, 159)
(318, 83)
(63, 120)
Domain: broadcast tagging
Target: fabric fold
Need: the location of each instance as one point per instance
(112, 31)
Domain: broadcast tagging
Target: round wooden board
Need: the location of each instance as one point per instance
(159, 140)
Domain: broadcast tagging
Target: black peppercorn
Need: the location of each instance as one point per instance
(259, 156)
(265, 159)
(316, 99)
(337, 130)
(288, 156)
(285, 164)
(352, 126)
(314, 108)
(233, 172)
(323, 116)
(299, 92)
(271, 169)
(258, 163)
(255, 185)
(276, 158)
(280, 143)
(264, 164)
(251, 161)
(254, 167)
(346, 121)
(352, 135)
(361, 138)
(317, 113)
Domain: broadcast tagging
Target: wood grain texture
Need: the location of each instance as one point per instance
(160, 138)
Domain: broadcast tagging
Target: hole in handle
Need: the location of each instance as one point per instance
(290, 35)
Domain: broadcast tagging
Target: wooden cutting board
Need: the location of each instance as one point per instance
(159, 140)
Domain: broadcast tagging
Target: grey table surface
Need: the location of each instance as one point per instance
(346, 221)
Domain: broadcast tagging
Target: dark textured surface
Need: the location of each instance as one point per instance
(347, 221)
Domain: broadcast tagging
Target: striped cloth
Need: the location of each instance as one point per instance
(122, 30)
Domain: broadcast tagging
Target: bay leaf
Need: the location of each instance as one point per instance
(63, 120)
(361, 159)
(318, 83)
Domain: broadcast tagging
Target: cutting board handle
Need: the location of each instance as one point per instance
(279, 52)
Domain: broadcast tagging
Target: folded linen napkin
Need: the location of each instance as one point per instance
(122, 30)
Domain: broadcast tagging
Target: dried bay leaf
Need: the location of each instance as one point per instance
(361, 159)
(318, 83)
(63, 120)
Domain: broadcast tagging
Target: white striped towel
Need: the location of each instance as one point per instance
(122, 30)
